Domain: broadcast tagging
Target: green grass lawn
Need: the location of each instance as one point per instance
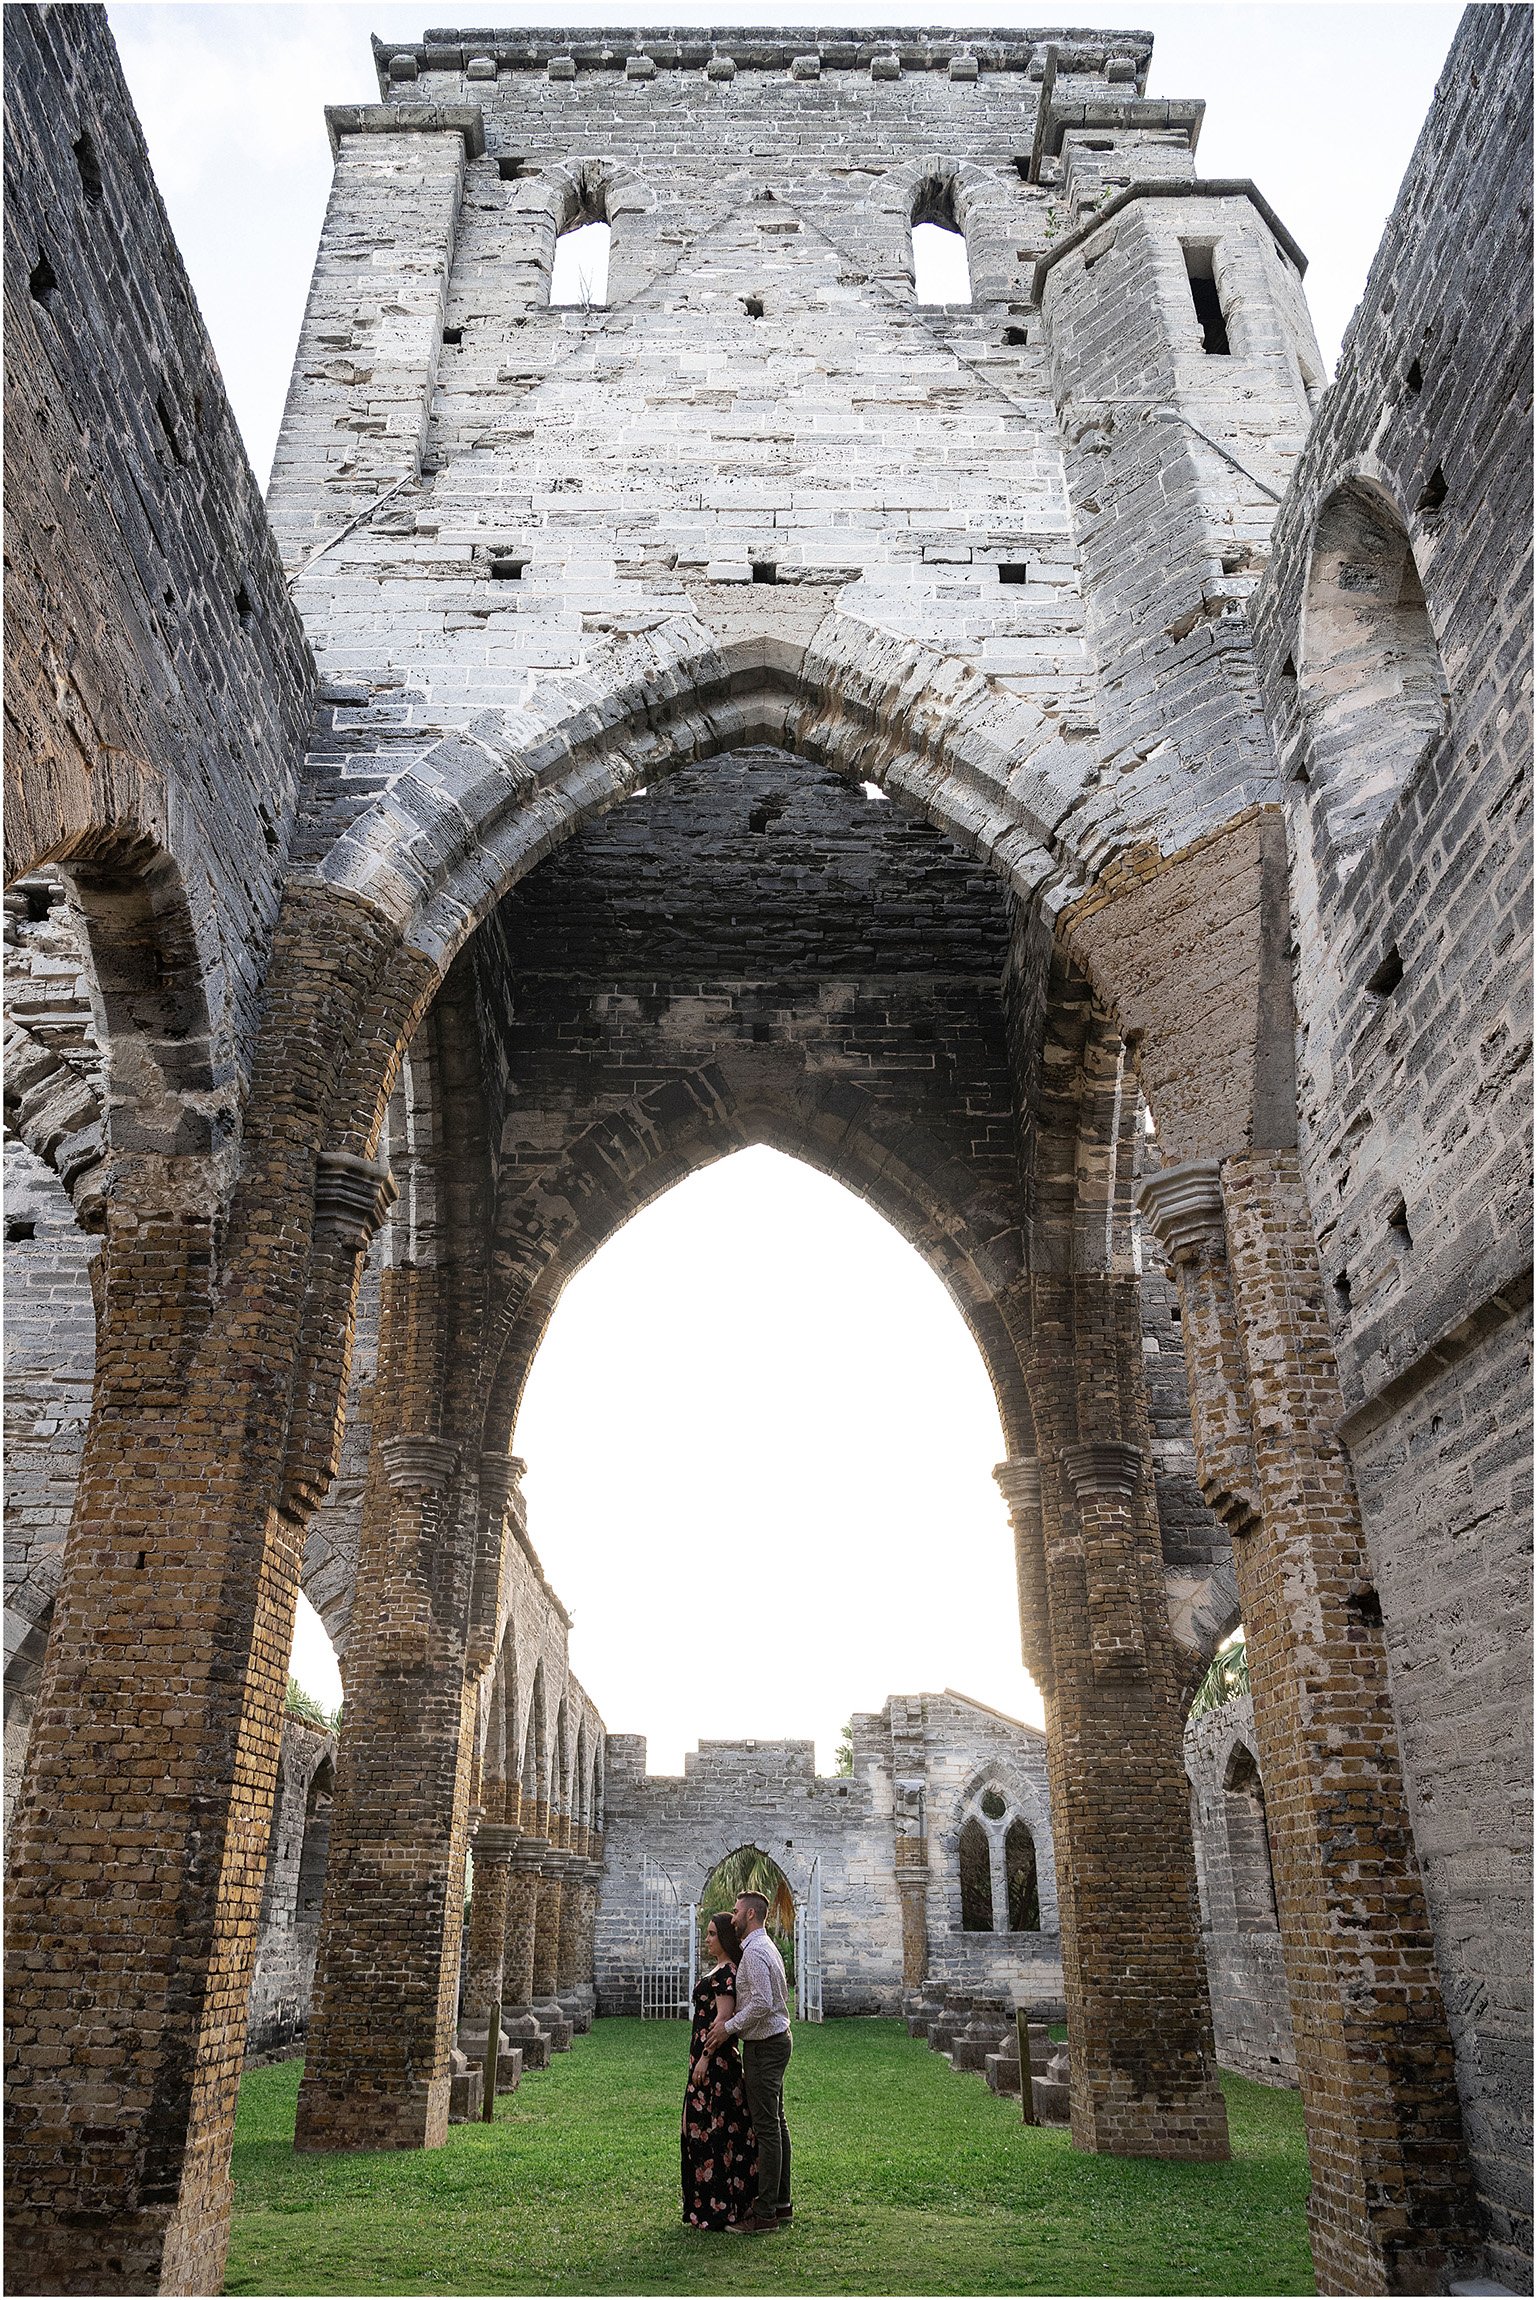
(909, 2178)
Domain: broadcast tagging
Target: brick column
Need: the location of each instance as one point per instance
(483, 1979)
(1019, 1481)
(568, 1938)
(140, 1839)
(1392, 2206)
(547, 1928)
(1144, 2076)
(387, 1974)
(913, 1892)
(519, 2020)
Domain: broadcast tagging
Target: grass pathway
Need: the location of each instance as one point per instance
(909, 2179)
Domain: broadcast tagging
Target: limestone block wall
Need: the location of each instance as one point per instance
(1239, 1935)
(158, 681)
(289, 1927)
(1402, 575)
(944, 1752)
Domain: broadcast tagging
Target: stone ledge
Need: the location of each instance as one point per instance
(466, 120)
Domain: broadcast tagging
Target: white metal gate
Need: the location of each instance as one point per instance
(808, 1948)
(669, 1947)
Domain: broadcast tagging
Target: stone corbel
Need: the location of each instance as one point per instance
(418, 1464)
(1183, 1208)
(352, 1197)
(1104, 1475)
(1019, 1481)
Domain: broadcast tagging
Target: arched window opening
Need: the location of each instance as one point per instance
(316, 1847)
(941, 260)
(579, 275)
(1023, 1884)
(976, 1869)
(1371, 682)
(1248, 1844)
(750, 1870)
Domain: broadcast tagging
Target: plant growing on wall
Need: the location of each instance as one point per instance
(306, 1710)
(1225, 1680)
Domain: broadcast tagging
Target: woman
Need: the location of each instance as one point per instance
(720, 2156)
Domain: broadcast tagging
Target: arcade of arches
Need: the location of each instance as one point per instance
(414, 875)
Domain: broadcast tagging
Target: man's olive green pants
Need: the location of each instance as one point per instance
(763, 2071)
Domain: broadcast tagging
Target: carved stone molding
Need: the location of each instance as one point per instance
(494, 1841)
(418, 1461)
(1019, 1481)
(1182, 1206)
(1107, 1466)
(352, 1197)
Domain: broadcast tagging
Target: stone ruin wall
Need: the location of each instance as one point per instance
(1411, 915)
(1411, 1084)
(1239, 1934)
(769, 1794)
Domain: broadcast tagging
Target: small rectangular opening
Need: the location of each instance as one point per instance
(509, 170)
(507, 570)
(1201, 271)
(765, 571)
(17, 1230)
(453, 335)
(1013, 571)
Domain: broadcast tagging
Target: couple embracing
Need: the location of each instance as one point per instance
(736, 2149)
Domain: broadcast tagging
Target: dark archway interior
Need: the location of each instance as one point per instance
(754, 950)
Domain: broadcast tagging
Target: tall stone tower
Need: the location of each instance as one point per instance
(1032, 516)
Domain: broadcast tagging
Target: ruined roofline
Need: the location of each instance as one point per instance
(1006, 48)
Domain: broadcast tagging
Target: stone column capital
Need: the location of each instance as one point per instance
(494, 1841)
(1019, 1481)
(1105, 1466)
(1182, 1206)
(352, 1197)
(530, 1854)
(418, 1461)
(500, 1475)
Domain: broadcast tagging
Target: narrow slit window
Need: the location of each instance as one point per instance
(580, 273)
(1208, 304)
(941, 260)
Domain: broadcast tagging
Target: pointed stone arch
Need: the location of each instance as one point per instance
(628, 1159)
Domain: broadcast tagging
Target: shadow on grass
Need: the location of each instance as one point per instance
(909, 2178)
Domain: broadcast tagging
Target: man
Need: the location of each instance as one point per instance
(762, 2022)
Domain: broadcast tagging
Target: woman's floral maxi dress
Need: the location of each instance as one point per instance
(720, 2155)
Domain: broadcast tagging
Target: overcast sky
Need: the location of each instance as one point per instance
(757, 1368)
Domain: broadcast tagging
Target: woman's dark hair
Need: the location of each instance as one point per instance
(728, 1936)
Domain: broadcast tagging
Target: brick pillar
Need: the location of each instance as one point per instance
(1392, 2206)
(913, 1891)
(1019, 1481)
(522, 1922)
(1144, 2075)
(387, 1974)
(547, 1929)
(483, 1980)
(569, 1937)
(139, 1844)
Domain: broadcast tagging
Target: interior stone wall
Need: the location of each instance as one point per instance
(1412, 944)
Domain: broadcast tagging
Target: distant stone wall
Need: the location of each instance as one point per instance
(289, 1929)
(1238, 1932)
(921, 1768)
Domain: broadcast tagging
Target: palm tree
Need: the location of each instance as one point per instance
(748, 1870)
(1225, 1680)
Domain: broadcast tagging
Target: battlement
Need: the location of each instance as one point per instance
(804, 52)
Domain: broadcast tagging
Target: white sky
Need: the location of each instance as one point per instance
(758, 1364)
